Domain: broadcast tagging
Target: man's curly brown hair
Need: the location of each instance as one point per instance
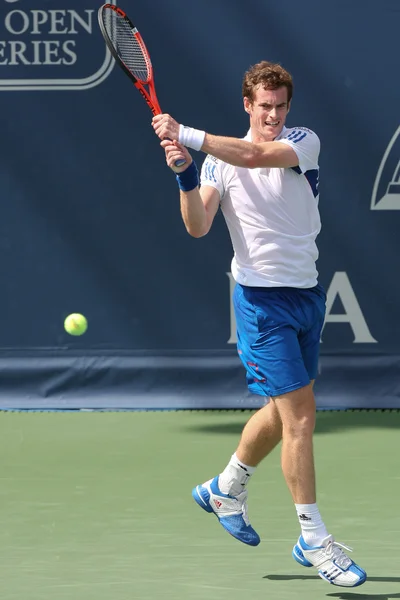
(270, 75)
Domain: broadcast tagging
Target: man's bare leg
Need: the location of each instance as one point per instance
(261, 434)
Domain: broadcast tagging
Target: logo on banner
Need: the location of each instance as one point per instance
(53, 45)
(386, 191)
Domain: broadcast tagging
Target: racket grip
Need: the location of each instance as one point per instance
(180, 162)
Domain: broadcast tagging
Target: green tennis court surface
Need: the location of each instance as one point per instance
(97, 506)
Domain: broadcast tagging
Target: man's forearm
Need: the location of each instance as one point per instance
(233, 151)
(193, 212)
(238, 153)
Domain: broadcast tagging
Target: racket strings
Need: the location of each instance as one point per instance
(128, 47)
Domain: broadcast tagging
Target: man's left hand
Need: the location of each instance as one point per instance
(165, 127)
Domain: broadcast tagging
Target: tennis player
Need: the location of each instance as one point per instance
(267, 187)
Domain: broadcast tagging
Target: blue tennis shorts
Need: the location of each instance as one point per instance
(278, 333)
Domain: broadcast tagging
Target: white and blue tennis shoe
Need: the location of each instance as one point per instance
(231, 511)
(332, 563)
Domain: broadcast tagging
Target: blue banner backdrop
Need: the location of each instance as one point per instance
(90, 217)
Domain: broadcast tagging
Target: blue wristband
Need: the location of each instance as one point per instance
(189, 179)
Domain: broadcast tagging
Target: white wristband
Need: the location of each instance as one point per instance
(191, 138)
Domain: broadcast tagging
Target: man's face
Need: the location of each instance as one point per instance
(267, 113)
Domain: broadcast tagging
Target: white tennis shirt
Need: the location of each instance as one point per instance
(272, 214)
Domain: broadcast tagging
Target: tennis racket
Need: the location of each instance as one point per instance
(128, 49)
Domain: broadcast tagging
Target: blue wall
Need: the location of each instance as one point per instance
(90, 217)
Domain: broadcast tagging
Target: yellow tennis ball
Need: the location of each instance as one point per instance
(75, 324)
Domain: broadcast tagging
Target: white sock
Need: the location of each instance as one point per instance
(234, 478)
(312, 526)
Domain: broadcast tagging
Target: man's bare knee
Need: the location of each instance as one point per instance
(297, 411)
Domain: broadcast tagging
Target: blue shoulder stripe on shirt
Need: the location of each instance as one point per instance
(209, 171)
(296, 136)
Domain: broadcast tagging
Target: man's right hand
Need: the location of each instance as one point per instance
(175, 151)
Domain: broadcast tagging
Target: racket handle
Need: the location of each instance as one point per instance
(180, 162)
